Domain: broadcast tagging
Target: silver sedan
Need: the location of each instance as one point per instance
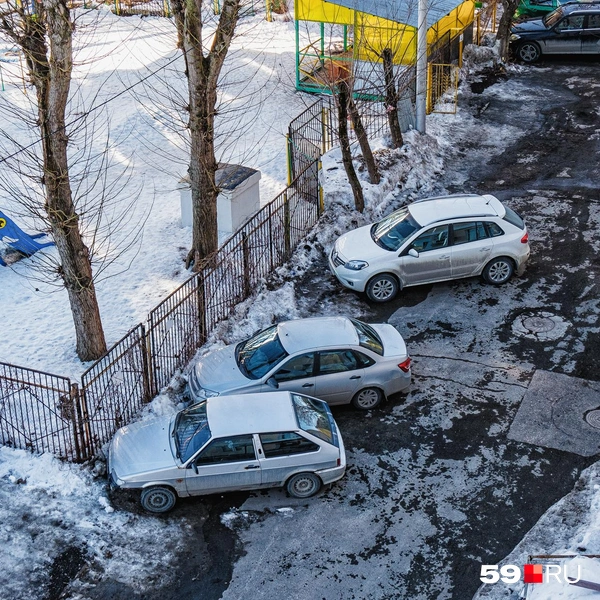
(337, 359)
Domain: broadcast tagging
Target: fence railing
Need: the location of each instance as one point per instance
(48, 413)
(40, 412)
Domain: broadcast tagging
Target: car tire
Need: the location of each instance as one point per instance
(529, 52)
(499, 270)
(382, 288)
(158, 499)
(303, 485)
(367, 398)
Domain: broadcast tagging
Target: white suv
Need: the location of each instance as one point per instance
(431, 240)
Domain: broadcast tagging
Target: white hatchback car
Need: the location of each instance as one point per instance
(248, 442)
(432, 240)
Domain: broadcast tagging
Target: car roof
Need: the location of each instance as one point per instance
(317, 332)
(570, 7)
(441, 208)
(240, 414)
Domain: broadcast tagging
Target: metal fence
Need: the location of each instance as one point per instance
(40, 412)
(48, 413)
(114, 389)
(155, 8)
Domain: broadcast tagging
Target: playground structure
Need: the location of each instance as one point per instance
(16, 239)
(343, 42)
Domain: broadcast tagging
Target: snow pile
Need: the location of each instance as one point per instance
(570, 527)
(51, 510)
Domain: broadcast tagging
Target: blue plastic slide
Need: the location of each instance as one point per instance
(14, 237)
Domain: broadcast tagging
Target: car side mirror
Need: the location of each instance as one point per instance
(412, 252)
(194, 466)
(273, 383)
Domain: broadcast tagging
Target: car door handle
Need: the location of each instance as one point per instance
(484, 249)
(308, 385)
(445, 257)
(355, 377)
(252, 467)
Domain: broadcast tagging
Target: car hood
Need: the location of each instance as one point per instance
(359, 245)
(529, 26)
(141, 447)
(218, 371)
(393, 342)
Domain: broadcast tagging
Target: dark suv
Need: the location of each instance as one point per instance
(573, 28)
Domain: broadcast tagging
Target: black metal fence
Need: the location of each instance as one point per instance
(48, 413)
(40, 412)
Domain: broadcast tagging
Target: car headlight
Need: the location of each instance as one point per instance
(514, 37)
(356, 265)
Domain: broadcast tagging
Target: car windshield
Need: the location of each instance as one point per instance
(260, 353)
(367, 337)
(191, 431)
(553, 18)
(314, 417)
(391, 232)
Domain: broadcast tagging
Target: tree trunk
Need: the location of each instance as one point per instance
(203, 74)
(361, 134)
(50, 66)
(391, 99)
(503, 33)
(342, 106)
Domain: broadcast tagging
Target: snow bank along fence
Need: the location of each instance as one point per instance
(41, 412)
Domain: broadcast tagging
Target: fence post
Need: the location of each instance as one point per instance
(84, 421)
(290, 160)
(430, 87)
(324, 144)
(246, 264)
(287, 234)
(271, 236)
(200, 290)
(148, 377)
(78, 431)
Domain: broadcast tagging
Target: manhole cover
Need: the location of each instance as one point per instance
(541, 326)
(593, 418)
(538, 324)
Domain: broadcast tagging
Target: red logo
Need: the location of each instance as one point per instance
(533, 574)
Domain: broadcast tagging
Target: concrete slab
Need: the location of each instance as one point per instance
(552, 414)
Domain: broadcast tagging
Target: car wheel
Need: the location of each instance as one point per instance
(382, 288)
(303, 485)
(498, 271)
(529, 52)
(158, 499)
(367, 398)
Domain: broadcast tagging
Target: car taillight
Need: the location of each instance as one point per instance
(405, 365)
(339, 462)
(525, 238)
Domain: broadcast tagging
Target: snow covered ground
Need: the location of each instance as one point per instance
(47, 507)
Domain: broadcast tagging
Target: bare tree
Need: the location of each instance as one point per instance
(506, 20)
(342, 99)
(43, 31)
(391, 98)
(202, 69)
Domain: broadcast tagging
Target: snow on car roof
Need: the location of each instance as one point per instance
(430, 210)
(250, 413)
(318, 332)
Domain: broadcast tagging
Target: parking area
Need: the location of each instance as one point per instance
(453, 474)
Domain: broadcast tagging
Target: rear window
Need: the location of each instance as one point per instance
(367, 337)
(314, 417)
(513, 218)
